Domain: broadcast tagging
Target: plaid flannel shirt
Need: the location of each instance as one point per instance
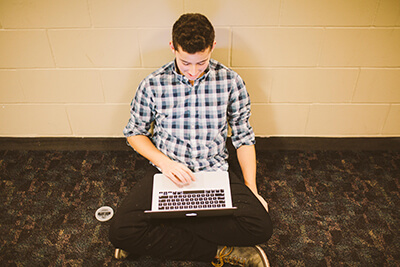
(191, 122)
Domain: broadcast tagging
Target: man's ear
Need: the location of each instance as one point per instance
(171, 45)
(214, 44)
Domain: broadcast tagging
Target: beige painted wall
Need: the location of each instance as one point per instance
(313, 67)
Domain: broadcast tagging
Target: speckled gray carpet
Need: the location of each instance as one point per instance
(329, 208)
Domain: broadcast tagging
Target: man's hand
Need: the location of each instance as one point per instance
(177, 173)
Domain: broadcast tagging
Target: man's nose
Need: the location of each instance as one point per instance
(193, 70)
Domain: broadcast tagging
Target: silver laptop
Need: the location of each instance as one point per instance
(209, 195)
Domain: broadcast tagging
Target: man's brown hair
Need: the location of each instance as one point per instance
(193, 32)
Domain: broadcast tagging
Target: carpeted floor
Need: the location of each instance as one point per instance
(329, 208)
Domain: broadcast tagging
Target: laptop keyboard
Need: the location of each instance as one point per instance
(191, 199)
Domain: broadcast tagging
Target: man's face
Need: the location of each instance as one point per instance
(192, 66)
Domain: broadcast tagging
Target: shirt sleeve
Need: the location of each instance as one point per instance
(141, 113)
(239, 114)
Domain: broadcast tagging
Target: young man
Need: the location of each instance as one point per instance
(190, 101)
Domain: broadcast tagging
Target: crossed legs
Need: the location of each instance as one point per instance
(190, 238)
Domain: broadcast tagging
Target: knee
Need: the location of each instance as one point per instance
(267, 232)
(263, 232)
(125, 236)
(115, 235)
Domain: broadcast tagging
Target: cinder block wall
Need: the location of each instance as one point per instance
(312, 67)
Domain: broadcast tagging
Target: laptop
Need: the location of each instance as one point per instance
(209, 195)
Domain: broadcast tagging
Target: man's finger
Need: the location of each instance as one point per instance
(184, 177)
(189, 175)
(175, 180)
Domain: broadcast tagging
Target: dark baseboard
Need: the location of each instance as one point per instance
(64, 143)
(263, 144)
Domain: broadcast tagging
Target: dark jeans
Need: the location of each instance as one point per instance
(189, 238)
